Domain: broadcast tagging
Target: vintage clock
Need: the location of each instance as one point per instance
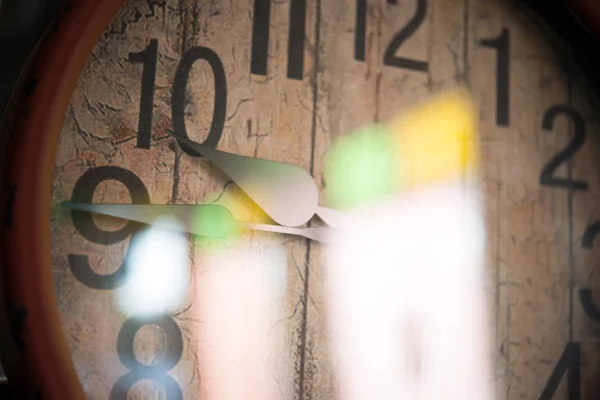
(113, 79)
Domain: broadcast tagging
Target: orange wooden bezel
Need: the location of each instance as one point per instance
(27, 275)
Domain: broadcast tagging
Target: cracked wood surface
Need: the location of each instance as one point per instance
(533, 243)
(527, 223)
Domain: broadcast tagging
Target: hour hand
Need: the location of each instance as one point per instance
(286, 192)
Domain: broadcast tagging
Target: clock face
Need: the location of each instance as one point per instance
(282, 81)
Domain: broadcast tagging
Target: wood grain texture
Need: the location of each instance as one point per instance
(527, 223)
(536, 263)
(585, 166)
(354, 94)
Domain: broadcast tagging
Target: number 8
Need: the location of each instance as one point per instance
(139, 371)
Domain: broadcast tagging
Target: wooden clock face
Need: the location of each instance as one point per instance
(281, 81)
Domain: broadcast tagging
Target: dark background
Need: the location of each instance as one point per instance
(22, 23)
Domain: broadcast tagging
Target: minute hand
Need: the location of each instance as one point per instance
(209, 220)
(285, 192)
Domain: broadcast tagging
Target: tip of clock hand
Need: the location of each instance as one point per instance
(285, 192)
(333, 218)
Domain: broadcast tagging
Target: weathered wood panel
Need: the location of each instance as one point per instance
(527, 223)
(355, 93)
(535, 232)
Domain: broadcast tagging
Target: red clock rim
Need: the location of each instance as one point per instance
(27, 274)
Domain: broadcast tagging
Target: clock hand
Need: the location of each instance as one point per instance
(332, 217)
(319, 234)
(286, 192)
(209, 220)
(209, 214)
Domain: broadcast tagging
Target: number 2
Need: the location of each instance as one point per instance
(547, 176)
(389, 57)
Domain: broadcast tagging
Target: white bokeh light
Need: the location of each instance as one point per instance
(406, 300)
(157, 270)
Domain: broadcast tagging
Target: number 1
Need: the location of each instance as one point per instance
(501, 44)
(148, 58)
(260, 38)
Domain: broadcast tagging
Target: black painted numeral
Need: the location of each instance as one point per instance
(547, 177)
(587, 301)
(260, 38)
(147, 58)
(502, 46)
(295, 65)
(570, 361)
(84, 223)
(590, 235)
(585, 295)
(360, 34)
(220, 101)
(155, 372)
(390, 58)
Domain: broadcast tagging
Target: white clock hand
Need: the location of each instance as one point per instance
(286, 192)
(209, 220)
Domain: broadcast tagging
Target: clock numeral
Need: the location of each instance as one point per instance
(84, 223)
(148, 58)
(80, 267)
(547, 176)
(570, 361)
(590, 235)
(260, 38)
(360, 33)
(587, 301)
(502, 46)
(389, 57)
(585, 295)
(155, 372)
(220, 100)
(295, 65)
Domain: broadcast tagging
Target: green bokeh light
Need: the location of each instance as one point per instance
(214, 221)
(361, 168)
